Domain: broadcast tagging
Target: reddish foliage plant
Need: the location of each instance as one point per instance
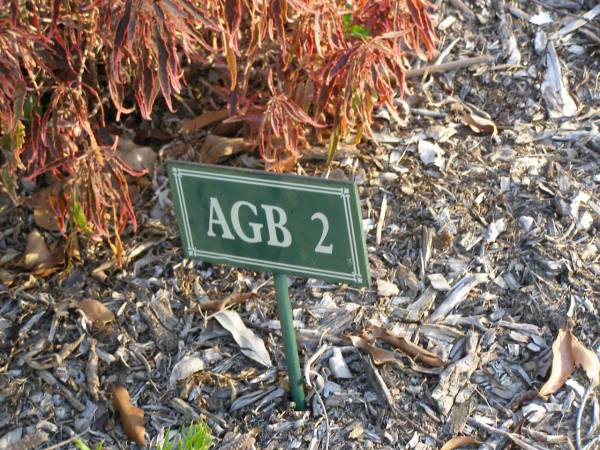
(295, 70)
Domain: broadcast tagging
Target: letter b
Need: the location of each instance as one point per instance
(274, 225)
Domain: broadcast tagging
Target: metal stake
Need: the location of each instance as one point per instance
(289, 340)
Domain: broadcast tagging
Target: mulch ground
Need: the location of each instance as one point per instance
(481, 213)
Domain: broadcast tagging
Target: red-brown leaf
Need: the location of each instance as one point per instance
(132, 417)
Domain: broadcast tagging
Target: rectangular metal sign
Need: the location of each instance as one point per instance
(305, 226)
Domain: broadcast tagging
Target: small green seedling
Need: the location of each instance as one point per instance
(83, 446)
(195, 437)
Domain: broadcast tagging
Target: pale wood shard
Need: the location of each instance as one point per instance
(459, 292)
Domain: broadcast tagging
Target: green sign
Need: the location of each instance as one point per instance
(310, 227)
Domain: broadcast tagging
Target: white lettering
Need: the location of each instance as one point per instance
(320, 248)
(235, 221)
(273, 226)
(220, 220)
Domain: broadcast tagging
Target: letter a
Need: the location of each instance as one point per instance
(273, 226)
(215, 208)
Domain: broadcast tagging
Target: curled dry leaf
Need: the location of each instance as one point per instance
(218, 305)
(217, 147)
(480, 124)
(562, 364)
(250, 344)
(460, 441)
(137, 157)
(404, 345)
(132, 417)
(96, 312)
(431, 153)
(203, 120)
(568, 353)
(586, 359)
(379, 355)
(38, 258)
(188, 365)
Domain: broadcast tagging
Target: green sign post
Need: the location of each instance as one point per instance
(285, 224)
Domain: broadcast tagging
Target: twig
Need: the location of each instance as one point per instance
(582, 404)
(381, 383)
(518, 13)
(458, 4)
(308, 382)
(68, 441)
(310, 361)
(451, 65)
(577, 23)
(390, 400)
(585, 30)
(381, 220)
(427, 113)
(512, 436)
(326, 416)
(591, 445)
(442, 56)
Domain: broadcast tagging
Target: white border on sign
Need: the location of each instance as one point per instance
(342, 192)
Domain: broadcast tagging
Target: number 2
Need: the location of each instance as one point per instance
(320, 248)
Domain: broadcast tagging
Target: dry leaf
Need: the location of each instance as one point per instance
(218, 305)
(203, 120)
(7, 257)
(250, 344)
(137, 157)
(379, 355)
(283, 165)
(567, 353)
(460, 441)
(217, 147)
(559, 102)
(38, 258)
(404, 345)
(5, 200)
(72, 250)
(43, 215)
(96, 312)
(480, 124)
(431, 153)
(6, 278)
(586, 359)
(33, 440)
(233, 441)
(228, 128)
(386, 288)
(132, 417)
(356, 432)
(562, 363)
(188, 365)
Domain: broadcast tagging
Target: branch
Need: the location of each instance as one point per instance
(452, 65)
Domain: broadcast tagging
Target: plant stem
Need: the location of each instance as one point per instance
(289, 340)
